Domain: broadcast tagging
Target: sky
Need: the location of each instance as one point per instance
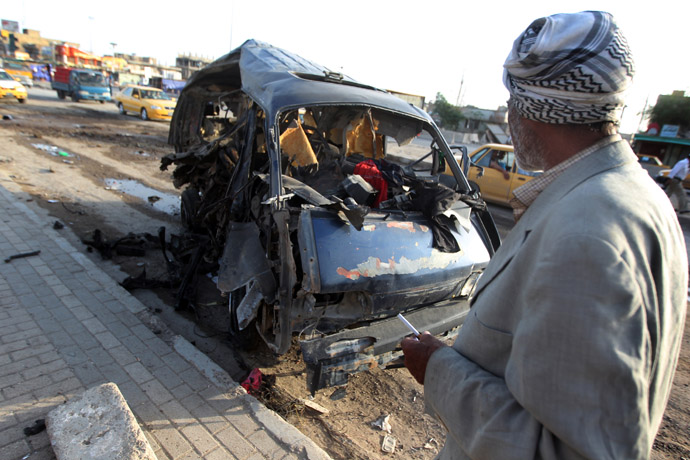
(418, 47)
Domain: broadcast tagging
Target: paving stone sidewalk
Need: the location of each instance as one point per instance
(66, 326)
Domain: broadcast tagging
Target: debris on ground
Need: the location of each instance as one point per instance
(315, 406)
(253, 381)
(38, 426)
(382, 423)
(130, 245)
(339, 393)
(53, 150)
(388, 444)
(22, 255)
(57, 225)
(431, 444)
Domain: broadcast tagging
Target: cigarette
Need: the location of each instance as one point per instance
(409, 326)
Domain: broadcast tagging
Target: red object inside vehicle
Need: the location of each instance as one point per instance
(370, 173)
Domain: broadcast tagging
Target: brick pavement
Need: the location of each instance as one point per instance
(66, 326)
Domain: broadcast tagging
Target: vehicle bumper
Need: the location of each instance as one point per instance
(103, 97)
(331, 359)
(160, 114)
(95, 97)
(19, 95)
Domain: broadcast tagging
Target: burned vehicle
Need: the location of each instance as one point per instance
(317, 232)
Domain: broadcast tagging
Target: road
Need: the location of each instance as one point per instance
(77, 190)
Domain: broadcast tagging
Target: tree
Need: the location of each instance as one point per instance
(448, 114)
(672, 110)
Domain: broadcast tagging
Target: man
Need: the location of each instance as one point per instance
(498, 163)
(569, 349)
(674, 186)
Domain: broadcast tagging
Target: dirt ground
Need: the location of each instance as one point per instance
(99, 144)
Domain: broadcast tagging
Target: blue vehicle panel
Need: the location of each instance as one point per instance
(386, 252)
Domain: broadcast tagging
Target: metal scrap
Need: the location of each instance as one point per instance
(22, 255)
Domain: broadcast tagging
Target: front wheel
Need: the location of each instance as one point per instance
(61, 94)
(144, 114)
(121, 109)
(21, 101)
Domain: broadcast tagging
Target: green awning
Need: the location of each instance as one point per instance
(662, 140)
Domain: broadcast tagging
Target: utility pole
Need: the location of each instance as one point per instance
(643, 114)
(91, 18)
(458, 100)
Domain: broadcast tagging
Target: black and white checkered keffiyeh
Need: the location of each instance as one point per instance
(570, 68)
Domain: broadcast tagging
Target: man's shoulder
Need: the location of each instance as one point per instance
(610, 201)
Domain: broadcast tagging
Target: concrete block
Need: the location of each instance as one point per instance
(97, 425)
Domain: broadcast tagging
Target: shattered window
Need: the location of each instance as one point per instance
(322, 146)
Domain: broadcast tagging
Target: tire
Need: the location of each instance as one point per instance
(121, 108)
(144, 114)
(21, 101)
(75, 97)
(61, 94)
(189, 205)
(102, 102)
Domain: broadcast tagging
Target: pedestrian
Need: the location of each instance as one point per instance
(573, 334)
(674, 184)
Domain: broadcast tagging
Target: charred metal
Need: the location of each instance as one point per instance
(291, 188)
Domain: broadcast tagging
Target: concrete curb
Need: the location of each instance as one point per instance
(287, 434)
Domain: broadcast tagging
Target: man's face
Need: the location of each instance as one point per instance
(529, 150)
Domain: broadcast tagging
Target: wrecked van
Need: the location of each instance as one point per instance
(322, 225)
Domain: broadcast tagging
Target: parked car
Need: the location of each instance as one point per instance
(9, 87)
(495, 173)
(651, 164)
(147, 102)
(650, 160)
(18, 70)
(314, 232)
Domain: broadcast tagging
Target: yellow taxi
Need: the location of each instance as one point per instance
(9, 87)
(495, 172)
(18, 70)
(147, 102)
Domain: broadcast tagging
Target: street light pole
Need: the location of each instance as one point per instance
(91, 18)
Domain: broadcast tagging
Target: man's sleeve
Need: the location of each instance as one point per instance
(577, 374)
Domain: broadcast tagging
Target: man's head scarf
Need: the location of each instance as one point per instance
(570, 68)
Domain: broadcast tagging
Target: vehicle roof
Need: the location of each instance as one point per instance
(143, 87)
(277, 79)
(506, 147)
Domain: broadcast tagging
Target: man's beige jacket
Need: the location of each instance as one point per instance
(571, 343)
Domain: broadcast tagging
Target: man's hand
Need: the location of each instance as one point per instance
(418, 352)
